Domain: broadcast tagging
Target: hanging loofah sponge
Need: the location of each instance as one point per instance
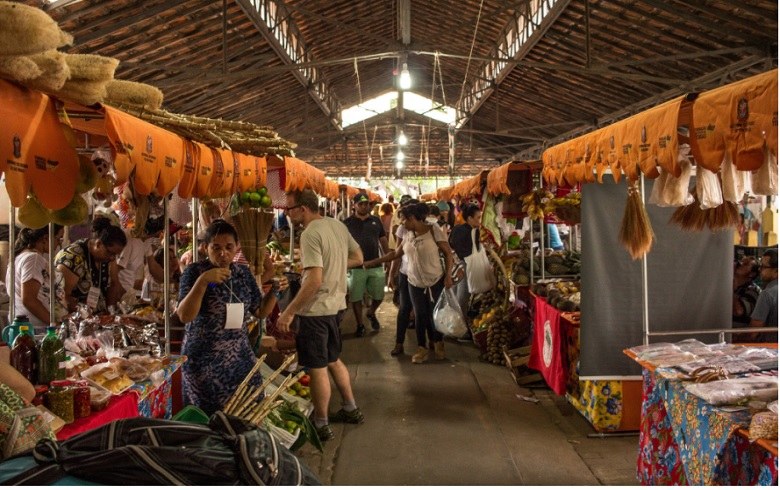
(91, 67)
(121, 92)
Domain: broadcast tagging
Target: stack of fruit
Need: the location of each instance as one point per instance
(537, 203)
(256, 198)
(301, 388)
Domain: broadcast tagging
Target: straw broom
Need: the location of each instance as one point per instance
(636, 233)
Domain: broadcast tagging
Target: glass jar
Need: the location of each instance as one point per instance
(81, 399)
(59, 400)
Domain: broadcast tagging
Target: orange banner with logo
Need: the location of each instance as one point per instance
(205, 165)
(34, 153)
(148, 147)
(740, 118)
(248, 171)
(189, 176)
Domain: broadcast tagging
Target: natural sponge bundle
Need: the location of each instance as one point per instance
(125, 92)
(89, 75)
(28, 30)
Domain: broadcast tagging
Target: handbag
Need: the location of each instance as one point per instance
(479, 272)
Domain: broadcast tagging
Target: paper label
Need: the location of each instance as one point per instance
(109, 375)
(92, 297)
(234, 317)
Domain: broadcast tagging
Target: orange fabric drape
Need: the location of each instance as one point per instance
(470, 186)
(497, 179)
(739, 118)
(148, 147)
(189, 176)
(444, 194)
(351, 191)
(430, 196)
(252, 172)
(297, 175)
(331, 189)
(222, 185)
(34, 153)
(205, 165)
(374, 197)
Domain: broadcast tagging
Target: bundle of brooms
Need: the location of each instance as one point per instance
(243, 137)
(693, 218)
(253, 227)
(636, 233)
(244, 403)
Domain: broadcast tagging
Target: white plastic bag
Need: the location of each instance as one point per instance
(675, 191)
(479, 273)
(659, 184)
(733, 183)
(708, 188)
(765, 178)
(447, 317)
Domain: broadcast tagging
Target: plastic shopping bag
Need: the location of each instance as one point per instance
(708, 188)
(765, 179)
(447, 316)
(479, 272)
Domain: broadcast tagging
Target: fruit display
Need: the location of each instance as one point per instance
(301, 388)
(567, 208)
(556, 263)
(560, 294)
(256, 198)
(537, 203)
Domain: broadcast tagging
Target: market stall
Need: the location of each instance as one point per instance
(686, 440)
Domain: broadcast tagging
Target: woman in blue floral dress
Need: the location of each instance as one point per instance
(216, 299)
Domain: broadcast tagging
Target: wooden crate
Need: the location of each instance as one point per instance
(517, 362)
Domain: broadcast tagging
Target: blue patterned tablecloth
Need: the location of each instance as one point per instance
(155, 400)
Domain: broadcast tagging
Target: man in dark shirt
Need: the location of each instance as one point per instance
(368, 231)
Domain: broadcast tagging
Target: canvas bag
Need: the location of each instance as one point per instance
(479, 273)
(21, 424)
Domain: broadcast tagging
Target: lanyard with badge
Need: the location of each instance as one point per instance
(93, 296)
(234, 312)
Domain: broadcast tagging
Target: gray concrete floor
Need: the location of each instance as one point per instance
(458, 422)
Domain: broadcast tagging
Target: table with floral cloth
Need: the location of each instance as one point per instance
(685, 441)
(154, 400)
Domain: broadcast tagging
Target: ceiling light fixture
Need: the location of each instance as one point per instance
(405, 80)
(402, 139)
(400, 156)
(399, 164)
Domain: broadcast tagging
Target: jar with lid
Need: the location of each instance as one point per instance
(51, 364)
(81, 399)
(24, 354)
(59, 399)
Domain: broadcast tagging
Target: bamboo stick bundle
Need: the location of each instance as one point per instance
(263, 413)
(244, 383)
(636, 233)
(250, 405)
(287, 361)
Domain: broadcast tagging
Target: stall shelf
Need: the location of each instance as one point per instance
(144, 399)
(608, 405)
(685, 441)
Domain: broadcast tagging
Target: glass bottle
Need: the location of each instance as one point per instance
(59, 400)
(24, 354)
(52, 357)
(81, 399)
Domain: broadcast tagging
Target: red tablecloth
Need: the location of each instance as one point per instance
(120, 407)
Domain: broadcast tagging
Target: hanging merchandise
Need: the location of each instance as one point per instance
(708, 188)
(636, 233)
(765, 179)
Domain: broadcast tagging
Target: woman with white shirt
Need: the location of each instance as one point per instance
(31, 280)
(423, 244)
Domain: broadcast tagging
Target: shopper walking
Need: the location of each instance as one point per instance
(401, 268)
(765, 312)
(369, 233)
(327, 251)
(463, 240)
(424, 244)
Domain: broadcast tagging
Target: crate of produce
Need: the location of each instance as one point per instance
(517, 362)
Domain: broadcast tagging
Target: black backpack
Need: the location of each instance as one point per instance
(143, 451)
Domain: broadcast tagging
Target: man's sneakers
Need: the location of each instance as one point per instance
(375, 325)
(347, 417)
(361, 330)
(325, 433)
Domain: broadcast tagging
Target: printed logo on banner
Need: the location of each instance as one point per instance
(547, 349)
(148, 144)
(743, 111)
(17, 146)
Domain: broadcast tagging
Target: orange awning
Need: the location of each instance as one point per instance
(205, 165)
(740, 118)
(430, 196)
(252, 172)
(222, 181)
(149, 148)
(34, 154)
(496, 180)
(444, 194)
(331, 189)
(470, 186)
(189, 177)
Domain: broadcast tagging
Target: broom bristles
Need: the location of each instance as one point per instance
(636, 233)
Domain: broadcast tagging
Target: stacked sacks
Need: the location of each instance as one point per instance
(29, 39)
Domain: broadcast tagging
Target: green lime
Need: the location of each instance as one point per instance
(246, 197)
(254, 199)
(263, 191)
(266, 201)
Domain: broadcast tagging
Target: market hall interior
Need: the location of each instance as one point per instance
(459, 422)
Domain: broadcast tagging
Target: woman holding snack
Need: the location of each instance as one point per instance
(216, 299)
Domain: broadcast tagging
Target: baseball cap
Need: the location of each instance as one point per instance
(405, 199)
(360, 197)
(443, 206)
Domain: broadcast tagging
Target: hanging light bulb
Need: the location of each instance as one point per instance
(399, 164)
(400, 156)
(403, 140)
(405, 80)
